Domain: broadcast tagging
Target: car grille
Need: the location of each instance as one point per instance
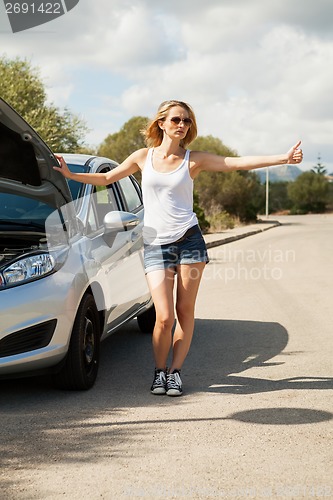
(29, 339)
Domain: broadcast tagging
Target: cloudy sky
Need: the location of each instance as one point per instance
(258, 73)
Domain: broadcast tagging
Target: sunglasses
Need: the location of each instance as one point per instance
(176, 120)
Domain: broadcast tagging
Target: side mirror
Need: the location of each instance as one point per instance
(119, 221)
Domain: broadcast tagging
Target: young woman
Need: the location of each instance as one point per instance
(174, 245)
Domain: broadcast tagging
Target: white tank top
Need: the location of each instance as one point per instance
(168, 202)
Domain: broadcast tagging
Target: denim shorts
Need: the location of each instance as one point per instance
(189, 249)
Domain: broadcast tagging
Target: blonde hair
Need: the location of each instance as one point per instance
(154, 134)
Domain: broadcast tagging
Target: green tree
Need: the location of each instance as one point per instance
(319, 168)
(21, 86)
(238, 193)
(278, 197)
(203, 222)
(242, 195)
(212, 145)
(309, 193)
(208, 185)
(329, 205)
(120, 145)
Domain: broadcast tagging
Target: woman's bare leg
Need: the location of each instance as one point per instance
(161, 284)
(188, 281)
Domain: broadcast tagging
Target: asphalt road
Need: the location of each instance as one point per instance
(256, 417)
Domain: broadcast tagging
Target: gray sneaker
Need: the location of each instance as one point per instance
(174, 384)
(159, 383)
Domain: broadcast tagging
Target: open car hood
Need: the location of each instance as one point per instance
(26, 162)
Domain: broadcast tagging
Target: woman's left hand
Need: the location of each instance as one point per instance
(295, 154)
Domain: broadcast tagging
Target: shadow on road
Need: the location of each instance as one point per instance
(222, 348)
(42, 425)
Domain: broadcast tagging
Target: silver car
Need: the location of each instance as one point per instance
(71, 265)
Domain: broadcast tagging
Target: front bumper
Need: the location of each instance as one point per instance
(36, 324)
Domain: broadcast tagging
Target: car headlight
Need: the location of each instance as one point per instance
(26, 269)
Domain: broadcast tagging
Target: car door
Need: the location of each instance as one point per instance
(131, 199)
(119, 284)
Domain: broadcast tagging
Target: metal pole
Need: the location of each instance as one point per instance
(267, 192)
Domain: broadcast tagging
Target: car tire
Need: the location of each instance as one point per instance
(146, 320)
(80, 369)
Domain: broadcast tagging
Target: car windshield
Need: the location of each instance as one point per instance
(24, 211)
(18, 210)
(76, 188)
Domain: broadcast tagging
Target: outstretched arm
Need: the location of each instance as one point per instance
(215, 163)
(127, 167)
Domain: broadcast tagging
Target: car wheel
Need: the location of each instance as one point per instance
(146, 320)
(81, 365)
